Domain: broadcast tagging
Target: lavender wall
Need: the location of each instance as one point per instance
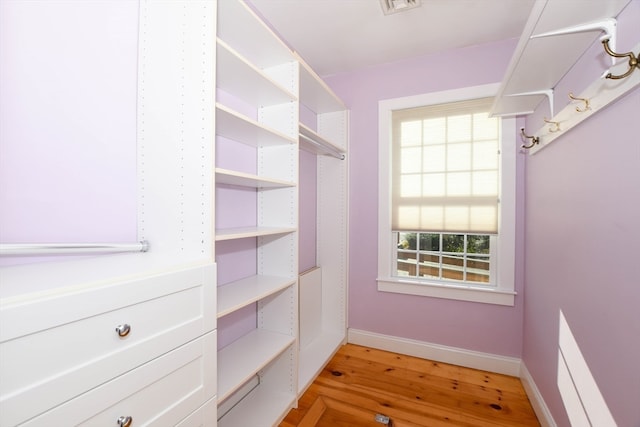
(582, 233)
(480, 327)
(68, 122)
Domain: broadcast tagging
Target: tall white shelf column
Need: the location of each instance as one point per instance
(257, 113)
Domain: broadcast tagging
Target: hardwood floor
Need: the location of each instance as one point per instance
(360, 383)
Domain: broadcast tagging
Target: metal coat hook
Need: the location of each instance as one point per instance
(585, 100)
(555, 127)
(633, 61)
(534, 139)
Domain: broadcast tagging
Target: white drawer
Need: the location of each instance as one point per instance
(205, 416)
(57, 348)
(160, 393)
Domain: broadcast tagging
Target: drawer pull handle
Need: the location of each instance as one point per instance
(123, 331)
(125, 421)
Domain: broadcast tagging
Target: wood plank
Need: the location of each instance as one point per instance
(360, 382)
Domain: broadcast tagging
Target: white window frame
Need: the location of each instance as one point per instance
(503, 291)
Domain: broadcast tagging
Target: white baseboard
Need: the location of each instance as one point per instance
(537, 402)
(456, 356)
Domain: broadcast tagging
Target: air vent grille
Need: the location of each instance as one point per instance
(394, 6)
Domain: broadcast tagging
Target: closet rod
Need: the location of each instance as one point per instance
(70, 248)
(328, 150)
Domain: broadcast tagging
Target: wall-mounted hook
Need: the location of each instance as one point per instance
(534, 139)
(585, 100)
(555, 127)
(633, 60)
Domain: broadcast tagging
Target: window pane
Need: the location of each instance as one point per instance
(429, 241)
(410, 133)
(429, 265)
(478, 244)
(452, 267)
(485, 183)
(410, 186)
(459, 184)
(453, 242)
(485, 155)
(410, 160)
(478, 269)
(407, 241)
(435, 131)
(433, 185)
(484, 127)
(459, 128)
(434, 157)
(459, 157)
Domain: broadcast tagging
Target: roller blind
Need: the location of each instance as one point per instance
(445, 168)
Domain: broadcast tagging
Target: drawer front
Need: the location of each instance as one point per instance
(44, 368)
(205, 416)
(160, 393)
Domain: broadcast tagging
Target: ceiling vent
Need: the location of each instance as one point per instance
(393, 6)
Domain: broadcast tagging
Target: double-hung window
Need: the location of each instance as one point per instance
(447, 197)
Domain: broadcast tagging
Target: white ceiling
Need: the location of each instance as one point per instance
(342, 35)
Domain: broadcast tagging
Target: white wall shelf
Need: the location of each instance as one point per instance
(258, 406)
(321, 146)
(600, 93)
(246, 356)
(240, 293)
(225, 176)
(525, 73)
(245, 232)
(314, 92)
(238, 127)
(241, 78)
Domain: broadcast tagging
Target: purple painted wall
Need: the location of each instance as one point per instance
(67, 123)
(480, 327)
(582, 232)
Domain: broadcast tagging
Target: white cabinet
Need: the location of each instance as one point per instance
(56, 349)
(256, 213)
(323, 291)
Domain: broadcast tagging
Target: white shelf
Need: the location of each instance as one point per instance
(322, 145)
(600, 93)
(316, 355)
(225, 176)
(244, 232)
(244, 30)
(314, 92)
(261, 407)
(246, 356)
(241, 293)
(233, 125)
(236, 75)
(538, 64)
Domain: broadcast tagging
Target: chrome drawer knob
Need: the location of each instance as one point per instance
(125, 421)
(123, 330)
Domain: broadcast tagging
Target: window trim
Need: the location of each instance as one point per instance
(503, 293)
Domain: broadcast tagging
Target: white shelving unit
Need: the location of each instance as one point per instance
(258, 74)
(323, 327)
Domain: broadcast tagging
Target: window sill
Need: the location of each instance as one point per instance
(455, 292)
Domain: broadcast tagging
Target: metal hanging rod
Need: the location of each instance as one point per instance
(324, 148)
(9, 249)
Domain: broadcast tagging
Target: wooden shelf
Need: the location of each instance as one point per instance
(314, 92)
(235, 295)
(236, 75)
(233, 125)
(258, 406)
(244, 232)
(244, 30)
(246, 356)
(315, 355)
(225, 176)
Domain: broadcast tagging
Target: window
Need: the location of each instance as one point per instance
(447, 197)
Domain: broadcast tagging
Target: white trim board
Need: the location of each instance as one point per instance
(457, 356)
(440, 353)
(537, 402)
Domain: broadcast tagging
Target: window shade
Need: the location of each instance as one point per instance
(445, 168)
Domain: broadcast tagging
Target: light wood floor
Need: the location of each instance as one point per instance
(360, 383)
